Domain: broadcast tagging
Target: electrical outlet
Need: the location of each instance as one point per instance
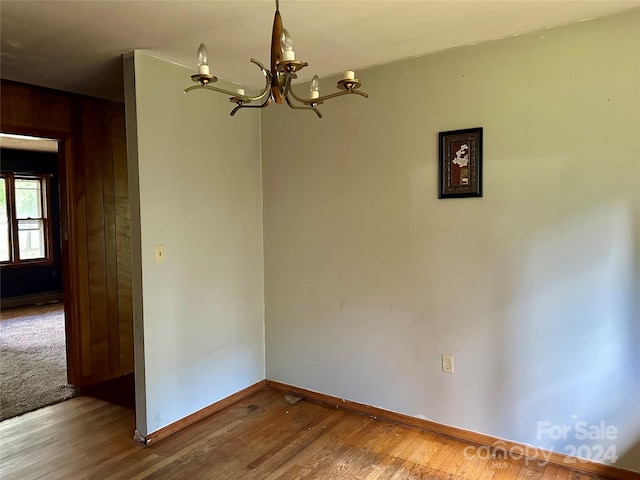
(447, 363)
(159, 253)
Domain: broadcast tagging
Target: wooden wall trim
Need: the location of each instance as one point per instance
(457, 433)
(95, 222)
(24, 300)
(200, 414)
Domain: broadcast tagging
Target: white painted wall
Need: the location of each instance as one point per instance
(200, 314)
(534, 288)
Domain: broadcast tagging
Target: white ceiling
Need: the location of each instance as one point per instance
(77, 45)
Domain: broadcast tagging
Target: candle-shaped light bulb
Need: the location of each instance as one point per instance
(315, 87)
(286, 44)
(349, 75)
(203, 60)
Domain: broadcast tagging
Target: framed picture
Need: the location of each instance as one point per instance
(460, 165)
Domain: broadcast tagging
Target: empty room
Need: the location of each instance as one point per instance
(307, 239)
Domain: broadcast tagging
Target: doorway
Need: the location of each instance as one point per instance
(95, 218)
(32, 319)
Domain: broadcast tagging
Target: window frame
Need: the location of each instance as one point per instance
(13, 221)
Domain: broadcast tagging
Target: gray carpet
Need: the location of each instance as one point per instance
(33, 369)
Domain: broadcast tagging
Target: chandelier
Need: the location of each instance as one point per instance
(278, 78)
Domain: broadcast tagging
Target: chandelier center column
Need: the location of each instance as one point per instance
(276, 51)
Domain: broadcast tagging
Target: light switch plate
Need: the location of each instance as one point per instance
(159, 253)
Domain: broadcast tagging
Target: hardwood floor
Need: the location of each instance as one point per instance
(261, 437)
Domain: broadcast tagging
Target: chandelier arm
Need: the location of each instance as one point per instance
(229, 92)
(287, 85)
(325, 97)
(296, 107)
(346, 92)
(263, 105)
(288, 90)
(262, 67)
(246, 98)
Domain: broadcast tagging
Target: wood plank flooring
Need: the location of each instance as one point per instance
(261, 437)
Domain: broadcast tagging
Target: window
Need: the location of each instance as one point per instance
(25, 233)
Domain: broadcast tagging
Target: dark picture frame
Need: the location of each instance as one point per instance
(460, 163)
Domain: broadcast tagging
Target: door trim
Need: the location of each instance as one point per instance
(65, 178)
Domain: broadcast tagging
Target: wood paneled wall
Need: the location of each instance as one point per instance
(95, 222)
